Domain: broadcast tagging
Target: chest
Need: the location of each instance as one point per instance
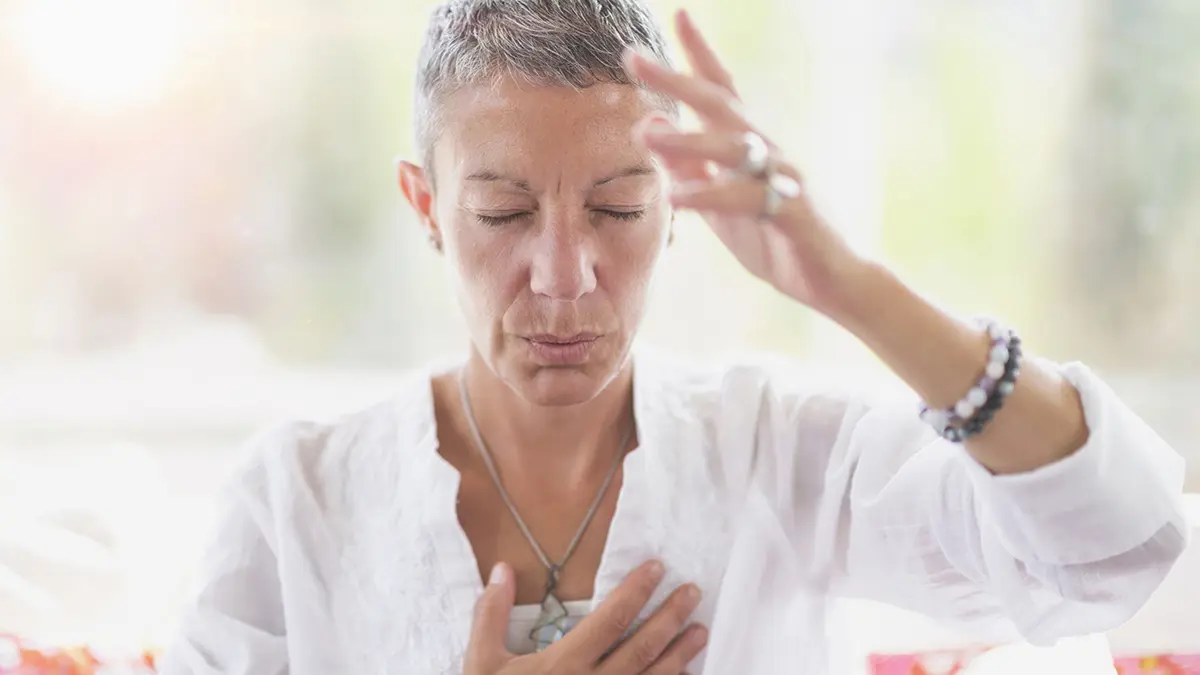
(409, 573)
(569, 527)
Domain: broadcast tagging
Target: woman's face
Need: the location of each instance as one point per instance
(553, 220)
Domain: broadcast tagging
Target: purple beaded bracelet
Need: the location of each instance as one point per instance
(969, 416)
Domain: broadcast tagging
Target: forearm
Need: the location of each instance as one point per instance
(941, 357)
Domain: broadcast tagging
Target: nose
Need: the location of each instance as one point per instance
(564, 262)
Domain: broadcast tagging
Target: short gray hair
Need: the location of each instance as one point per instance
(576, 43)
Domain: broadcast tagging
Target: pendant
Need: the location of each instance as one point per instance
(551, 623)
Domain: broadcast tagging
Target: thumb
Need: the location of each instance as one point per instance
(490, 628)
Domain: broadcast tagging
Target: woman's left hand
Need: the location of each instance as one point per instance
(786, 243)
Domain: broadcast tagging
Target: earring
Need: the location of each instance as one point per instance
(435, 243)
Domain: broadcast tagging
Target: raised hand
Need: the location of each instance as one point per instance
(751, 197)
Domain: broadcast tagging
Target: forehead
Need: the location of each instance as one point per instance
(510, 122)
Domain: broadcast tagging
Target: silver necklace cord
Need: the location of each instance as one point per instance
(551, 567)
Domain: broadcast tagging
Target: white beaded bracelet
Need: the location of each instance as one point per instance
(968, 416)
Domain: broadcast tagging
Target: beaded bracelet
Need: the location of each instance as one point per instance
(975, 425)
(972, 414)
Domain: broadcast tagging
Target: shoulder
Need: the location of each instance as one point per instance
(322, 460)
(773, 387)
(796, 418)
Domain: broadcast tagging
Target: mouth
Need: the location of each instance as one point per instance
(563, 340)
(561, 350)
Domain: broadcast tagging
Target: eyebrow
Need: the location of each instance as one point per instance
(635, 170)
(488, 176)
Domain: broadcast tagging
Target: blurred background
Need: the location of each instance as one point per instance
(200, 234)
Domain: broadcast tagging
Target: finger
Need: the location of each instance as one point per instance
(711, 102)
(681, 652)
(490, 626)
(696, 149)
(680, 169)
(739, 196)
(601, 629)
(644, 648)
(728, 150)
(700, 54)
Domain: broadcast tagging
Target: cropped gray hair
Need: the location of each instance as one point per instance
(576, 43)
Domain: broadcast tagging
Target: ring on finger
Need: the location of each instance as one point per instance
(777, 188)
(756, 162)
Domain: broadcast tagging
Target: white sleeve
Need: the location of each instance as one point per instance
(1072, 548)
(235, 625)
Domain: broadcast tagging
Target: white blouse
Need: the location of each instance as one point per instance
(340, 551)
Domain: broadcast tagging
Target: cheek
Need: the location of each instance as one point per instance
(634, 259)
(488, 275)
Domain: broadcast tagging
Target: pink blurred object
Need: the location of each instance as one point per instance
(1166, 664)
(941, 662)
(956, 661)
(20, 657)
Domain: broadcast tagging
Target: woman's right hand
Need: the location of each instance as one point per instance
(656, 648)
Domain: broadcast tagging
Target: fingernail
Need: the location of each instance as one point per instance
(657, 571)
(691, 593)
(499, 574)
(700, 636)
(654, 127)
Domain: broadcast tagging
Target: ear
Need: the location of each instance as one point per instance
(416, 188)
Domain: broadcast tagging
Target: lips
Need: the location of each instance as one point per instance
(561, 350)
(563, 339)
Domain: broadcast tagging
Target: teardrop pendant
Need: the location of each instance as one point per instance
(551, 623)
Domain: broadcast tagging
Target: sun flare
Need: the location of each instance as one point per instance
(101, 53)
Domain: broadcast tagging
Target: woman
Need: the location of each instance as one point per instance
(668, 504)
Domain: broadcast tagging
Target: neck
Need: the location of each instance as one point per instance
(569, 442)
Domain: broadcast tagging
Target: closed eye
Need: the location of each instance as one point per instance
(627, 216)
(497, 221)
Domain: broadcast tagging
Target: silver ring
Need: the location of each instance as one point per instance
(778, 188)
(756, 163)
